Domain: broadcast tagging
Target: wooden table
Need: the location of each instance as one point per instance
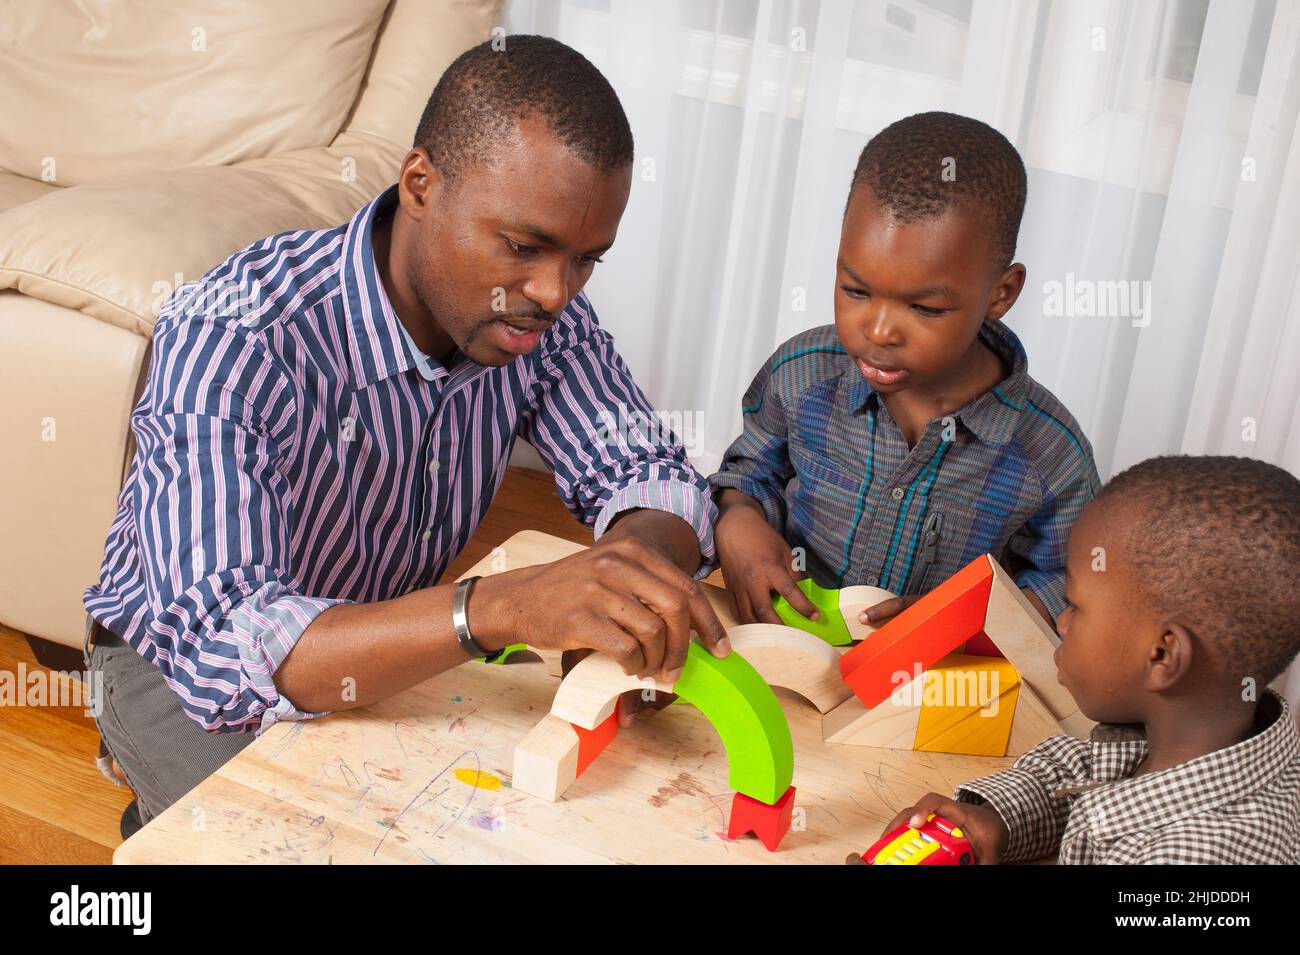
(425, 777)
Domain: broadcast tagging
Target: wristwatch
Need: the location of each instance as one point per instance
(460, 620)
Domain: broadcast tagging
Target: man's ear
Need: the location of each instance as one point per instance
(419, 185)
(1169, 659)
(1009, 285)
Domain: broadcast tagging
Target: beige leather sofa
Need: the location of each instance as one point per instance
(142, 142)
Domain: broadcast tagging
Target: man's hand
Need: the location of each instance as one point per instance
(623, 598)
(982, 825)
(756, 561)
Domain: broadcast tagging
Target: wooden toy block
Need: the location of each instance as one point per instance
(890, 724)
(968, 706)
(854, 600)
(588, 695)
(793, 659)
(1024, 638)
(829, 626)
(747, 715)
(1033, 722)
(729, 692)
(769, 822)
(546, 760)
(921, 635)
(592, 742)
(552, 660)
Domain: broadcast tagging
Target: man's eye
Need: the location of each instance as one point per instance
(519, 249)
(852, 292)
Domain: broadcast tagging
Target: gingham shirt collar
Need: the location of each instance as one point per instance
(1112, 805)
(993, 415)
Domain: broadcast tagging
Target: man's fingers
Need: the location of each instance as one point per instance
(706, 623)
(760, 596)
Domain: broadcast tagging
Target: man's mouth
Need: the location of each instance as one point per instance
(519, 336)
(880, 374)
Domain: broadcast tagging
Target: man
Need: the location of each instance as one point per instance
(306, 469)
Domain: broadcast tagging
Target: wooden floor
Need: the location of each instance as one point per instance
(55, 805)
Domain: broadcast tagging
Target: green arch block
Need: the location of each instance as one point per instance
(747, 715)
(830, 627)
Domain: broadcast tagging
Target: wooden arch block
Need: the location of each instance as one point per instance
(793, 659)
(854, 600)
(729, 692)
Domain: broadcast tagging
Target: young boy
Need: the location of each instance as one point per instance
(897, 445)
(1183, 585)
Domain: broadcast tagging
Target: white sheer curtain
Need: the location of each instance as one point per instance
(1164, 194)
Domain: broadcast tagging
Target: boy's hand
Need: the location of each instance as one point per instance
(878, 614)
(982, 825)
(756, 561)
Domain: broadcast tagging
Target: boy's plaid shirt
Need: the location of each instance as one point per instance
(1007, 474)
(1235, 805)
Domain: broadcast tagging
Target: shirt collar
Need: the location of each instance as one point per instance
(1216, 779)
(379, 344)
(993, 416)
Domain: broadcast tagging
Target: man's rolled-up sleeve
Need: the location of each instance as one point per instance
(213, 534)
(607, 447)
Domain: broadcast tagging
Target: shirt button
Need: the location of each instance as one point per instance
(871, 581)
(897, 494)
(424, 538)
(433, 466)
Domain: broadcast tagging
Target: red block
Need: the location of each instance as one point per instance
(769, 823)
(592, 742)
(981, 646)
(921, 635)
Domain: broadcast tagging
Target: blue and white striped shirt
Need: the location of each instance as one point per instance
(296, 451)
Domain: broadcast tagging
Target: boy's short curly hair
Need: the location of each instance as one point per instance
(926, 164)
(1217, 540)
(491, 87)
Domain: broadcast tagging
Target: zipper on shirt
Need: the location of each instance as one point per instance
(931, 534)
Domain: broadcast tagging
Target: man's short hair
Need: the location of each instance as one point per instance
(924, 165)
(1217, 540)
(490, 88)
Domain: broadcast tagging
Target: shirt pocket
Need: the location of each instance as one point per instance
(812, 470)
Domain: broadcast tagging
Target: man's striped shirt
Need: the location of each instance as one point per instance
(1007, 474)
(296, 451)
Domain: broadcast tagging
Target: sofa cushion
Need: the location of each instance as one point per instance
(117, 249)
(15, 190)
(120, 87)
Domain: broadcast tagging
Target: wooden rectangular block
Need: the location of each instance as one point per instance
(1027, 640)
(546, 759)
(921, 635)
(890, 724)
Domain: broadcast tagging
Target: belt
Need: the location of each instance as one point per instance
(101, 636)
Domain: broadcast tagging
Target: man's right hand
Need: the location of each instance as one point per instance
(622, 598)
(756, 561)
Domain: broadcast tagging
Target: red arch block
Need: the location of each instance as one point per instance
(921, 635)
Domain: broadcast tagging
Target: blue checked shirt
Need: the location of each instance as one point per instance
(295, 450)
(1007, 474)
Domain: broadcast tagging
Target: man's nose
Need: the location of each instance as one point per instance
(548, 287)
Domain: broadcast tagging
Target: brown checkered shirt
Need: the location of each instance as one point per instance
(1240, 804)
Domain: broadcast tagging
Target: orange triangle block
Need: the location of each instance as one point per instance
(921, 635)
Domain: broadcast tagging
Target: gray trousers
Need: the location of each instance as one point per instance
(162, 751)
